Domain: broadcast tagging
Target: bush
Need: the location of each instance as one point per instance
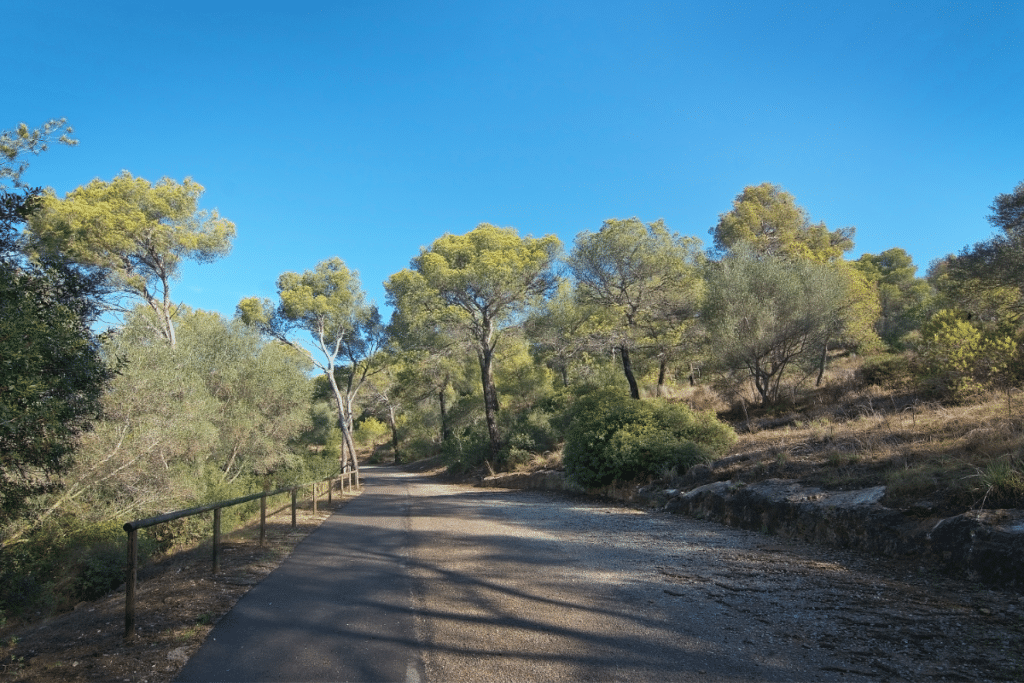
(63, 563)
(962, 358)
(370, 433)
(890, 372)
(614, 438)
(466, 450)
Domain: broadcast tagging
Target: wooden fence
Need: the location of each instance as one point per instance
(132, 528)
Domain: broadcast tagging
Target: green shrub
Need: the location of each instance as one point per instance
(890, 371)
(466, 450)
(370, 433)
(962, 358)
(614, 438)
(63, 563)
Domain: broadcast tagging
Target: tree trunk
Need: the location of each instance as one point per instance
(486, 355)
(762, 382)
(343, 424)
(165, 310)
(627, 367)
(821, 366)
(393, 423)
(446, 429)
(662, 371)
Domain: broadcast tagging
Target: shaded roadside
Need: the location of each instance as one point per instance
(178, 602)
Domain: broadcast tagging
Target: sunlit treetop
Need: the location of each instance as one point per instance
(22, 142)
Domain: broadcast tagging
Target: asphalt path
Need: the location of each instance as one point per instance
(339, 608)
(415, 581)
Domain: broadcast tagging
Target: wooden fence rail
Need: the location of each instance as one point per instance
(133, 542)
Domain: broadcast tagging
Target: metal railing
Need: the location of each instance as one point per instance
(133, 542)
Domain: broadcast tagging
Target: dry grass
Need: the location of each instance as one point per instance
(932, 457)
(547, 461)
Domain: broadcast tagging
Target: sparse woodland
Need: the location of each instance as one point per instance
(636, 352)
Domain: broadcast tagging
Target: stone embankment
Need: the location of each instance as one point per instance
(984, 545)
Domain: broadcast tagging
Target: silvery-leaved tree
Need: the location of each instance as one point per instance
(328, 304)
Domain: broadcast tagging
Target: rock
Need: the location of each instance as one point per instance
(697, 475)
(653, 496)
(987, 544)
(178, 655)
(544, 480)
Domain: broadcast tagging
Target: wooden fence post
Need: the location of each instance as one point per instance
(263, 515)
(131, 571)
(295, 494)
(129, 598)
(314, 498)
(216, 540)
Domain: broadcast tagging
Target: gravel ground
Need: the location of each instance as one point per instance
(528, 585)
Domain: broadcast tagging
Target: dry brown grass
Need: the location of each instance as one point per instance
(932, 457)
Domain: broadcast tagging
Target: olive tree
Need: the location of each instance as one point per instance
(768, 314)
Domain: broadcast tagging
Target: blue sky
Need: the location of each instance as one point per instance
(366, 130)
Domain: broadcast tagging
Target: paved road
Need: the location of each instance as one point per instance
(416, 582)
(339, 608)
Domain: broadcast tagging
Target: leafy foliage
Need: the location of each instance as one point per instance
(328, 304)
(135, 232)
(474, 286)
(52, 374)
(183, 426)
(768, 314)
(612, 438)
(644, 281)
(962, 358)
(997, 262)
(23, 141)
(902, 297)
(767, 219)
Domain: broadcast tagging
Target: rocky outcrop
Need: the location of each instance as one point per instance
(986, 545)
(543, 480)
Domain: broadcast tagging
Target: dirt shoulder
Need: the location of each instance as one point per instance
(177, 603)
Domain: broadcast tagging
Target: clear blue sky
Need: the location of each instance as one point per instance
(366, 130)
